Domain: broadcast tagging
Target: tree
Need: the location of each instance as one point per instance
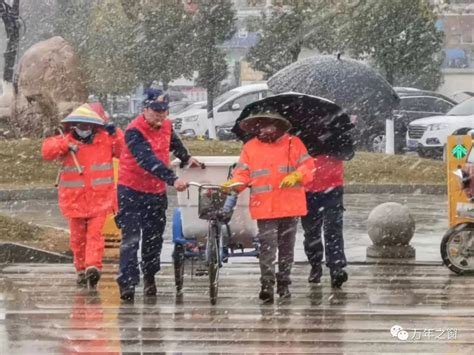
(72, 23)
(289, 29)
(97, 30)
(10, 14)
(401, 39)
(102, 36)
(163, 38)
(132, 8)
(214, 23)
(108, 64)
(38, 20)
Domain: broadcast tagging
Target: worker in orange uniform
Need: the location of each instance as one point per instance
(86, 183)
(275, 165)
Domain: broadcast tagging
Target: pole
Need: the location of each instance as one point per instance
(389, 137)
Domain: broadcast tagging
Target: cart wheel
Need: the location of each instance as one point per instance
(178, 261)
(457, 248)
(213, 262)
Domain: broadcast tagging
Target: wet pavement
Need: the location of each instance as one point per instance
(429, 211)
(42, 311)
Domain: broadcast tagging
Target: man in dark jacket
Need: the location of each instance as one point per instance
(143, 175)
(324, 198)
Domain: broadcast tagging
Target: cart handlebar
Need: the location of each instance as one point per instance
(205, 185)
(183, 165)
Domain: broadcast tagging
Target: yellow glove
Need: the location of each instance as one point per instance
(292, 179)
(231, 185)
(225, 186)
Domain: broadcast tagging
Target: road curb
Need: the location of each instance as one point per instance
(47, 193)
(18, 253)
(395, 189)
(23, 254)
(29, 194)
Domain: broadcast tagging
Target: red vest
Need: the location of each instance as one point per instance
(329, 173)
(134, 176)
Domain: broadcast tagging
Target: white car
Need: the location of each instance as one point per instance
(227, 108)
(428, 136)
(192, 121)
(177, 107)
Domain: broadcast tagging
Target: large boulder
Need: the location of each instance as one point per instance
(49, 86)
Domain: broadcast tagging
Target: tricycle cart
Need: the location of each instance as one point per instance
(202, 229)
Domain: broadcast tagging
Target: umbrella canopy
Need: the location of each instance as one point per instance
(350, 84)
(321, 124)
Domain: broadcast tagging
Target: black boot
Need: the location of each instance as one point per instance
(127, 294)
(92, 276)
(315, 274)
(149, 286)
(338, 277)
(266, 292)
(283, 290)
(81, 279)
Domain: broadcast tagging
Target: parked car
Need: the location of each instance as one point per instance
(414, 104)
(192, 121)
(227, 108)
(177, 107)
(428, 136)
(224, 133)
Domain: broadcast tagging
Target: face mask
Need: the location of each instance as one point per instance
(83, 133)
(267, 138)
(270, 136)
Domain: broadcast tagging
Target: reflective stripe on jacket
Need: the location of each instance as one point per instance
(93, 193)
(262, 166)
(131, 174)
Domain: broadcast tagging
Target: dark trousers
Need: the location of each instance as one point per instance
(276, 235)
(141, 216)
(325, 214)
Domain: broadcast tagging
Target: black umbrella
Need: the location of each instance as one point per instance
(321, 124)
(350, 84)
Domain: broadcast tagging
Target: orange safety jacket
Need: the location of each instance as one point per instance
(262, 167)
(94, 192)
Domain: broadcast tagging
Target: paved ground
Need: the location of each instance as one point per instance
(429, 211)
(42, 311)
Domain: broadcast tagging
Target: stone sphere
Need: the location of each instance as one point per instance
(390, 224)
